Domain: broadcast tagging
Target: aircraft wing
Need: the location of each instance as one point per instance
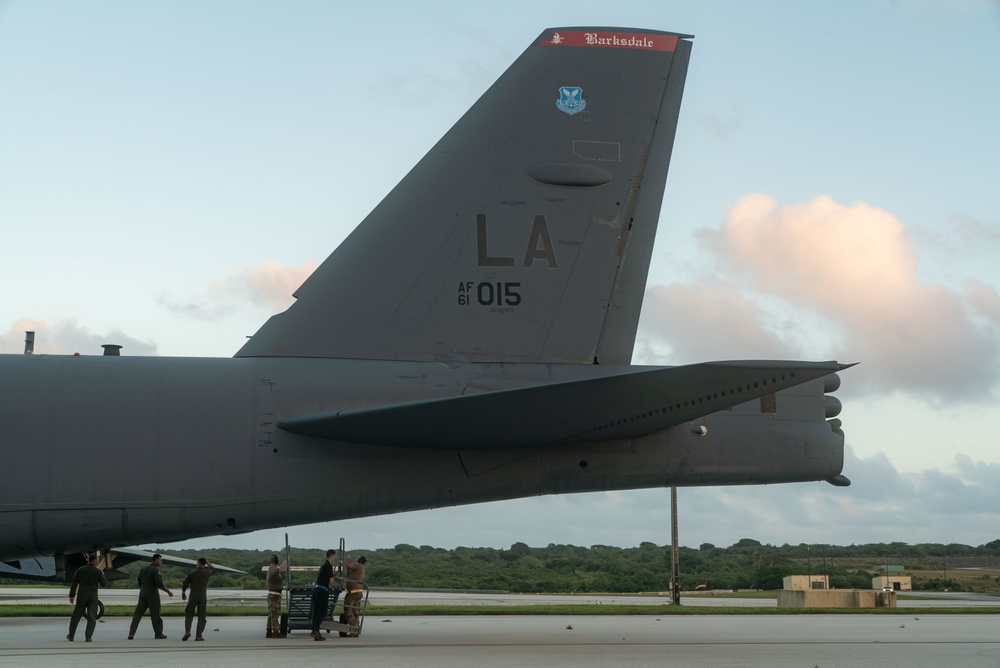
(45, 568)
(35, 568)
(120, 556)
(626, 405)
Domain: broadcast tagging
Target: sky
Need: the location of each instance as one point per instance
(170, 172)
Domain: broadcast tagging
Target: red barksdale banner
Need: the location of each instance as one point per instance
(614, 40)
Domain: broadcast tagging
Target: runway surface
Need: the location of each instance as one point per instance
(809, 641)
(55, 595)
(802, 641)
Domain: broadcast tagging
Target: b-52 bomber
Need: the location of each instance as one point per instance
(469, 341)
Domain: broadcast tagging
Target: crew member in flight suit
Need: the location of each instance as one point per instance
(87, 580)
(150, 585)
(198, 581)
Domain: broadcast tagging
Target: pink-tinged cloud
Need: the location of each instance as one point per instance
(707, 322)
(850, 274)
(850, 258)
(268, 285)
(272, 284)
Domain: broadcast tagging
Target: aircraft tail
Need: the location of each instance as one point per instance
(526, 233)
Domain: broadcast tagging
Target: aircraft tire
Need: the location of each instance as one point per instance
(284, 623)
(100, 609)
(343, 620)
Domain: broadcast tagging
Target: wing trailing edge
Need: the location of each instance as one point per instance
(630, 404)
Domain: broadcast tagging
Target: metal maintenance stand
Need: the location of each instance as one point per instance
(298, 602)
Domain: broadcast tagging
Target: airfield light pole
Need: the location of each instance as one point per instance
(675, 580)
(288, 565)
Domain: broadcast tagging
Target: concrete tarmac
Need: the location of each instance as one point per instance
(58, 596)
(800, 641)
(912, 639)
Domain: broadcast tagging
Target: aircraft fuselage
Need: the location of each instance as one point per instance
(110, 451)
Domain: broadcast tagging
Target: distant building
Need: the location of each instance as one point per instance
(802, 582)
(813, 591)
(893, 581)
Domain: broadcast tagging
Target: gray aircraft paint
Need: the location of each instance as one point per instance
(549, 216)
(443, 355)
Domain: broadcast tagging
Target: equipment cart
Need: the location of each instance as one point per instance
(298, 603)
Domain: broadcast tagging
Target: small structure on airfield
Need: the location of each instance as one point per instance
(800, 582)
(892, 582)
(813, 591)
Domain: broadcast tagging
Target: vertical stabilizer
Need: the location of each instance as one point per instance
(526, 233)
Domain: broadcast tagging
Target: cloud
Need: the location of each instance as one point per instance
(724, 126)
(841, 282)
(976, 233)
(67, 337)
(268, 284)
(959, 239)
(984, 301)
(703, 320)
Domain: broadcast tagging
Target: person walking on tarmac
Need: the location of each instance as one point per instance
(198, 581)
(150, 585)
(86, 582)
(321, 594)
(353, 586)
(274, 583)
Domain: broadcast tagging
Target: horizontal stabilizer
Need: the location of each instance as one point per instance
(626, 405)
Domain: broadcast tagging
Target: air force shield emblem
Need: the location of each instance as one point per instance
(571, 100)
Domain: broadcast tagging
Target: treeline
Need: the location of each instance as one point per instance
(747, 564)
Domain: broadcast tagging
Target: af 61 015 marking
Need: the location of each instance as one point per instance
(501, 293)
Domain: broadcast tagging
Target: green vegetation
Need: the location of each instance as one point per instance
(745, 565)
